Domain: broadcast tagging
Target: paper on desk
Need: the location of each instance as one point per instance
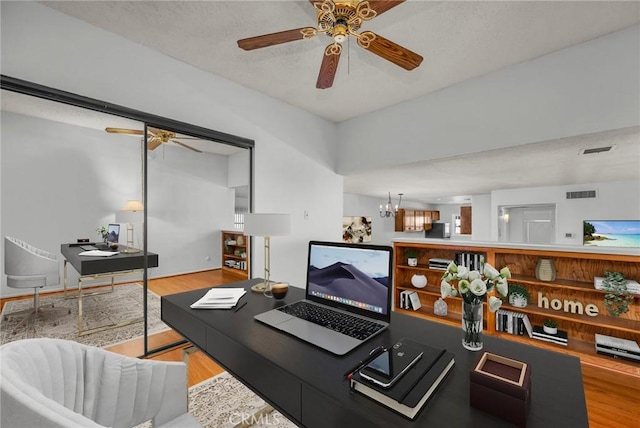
(219, 298)
(98, 253)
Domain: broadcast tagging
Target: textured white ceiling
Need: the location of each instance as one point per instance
(459, 40)
(547, 163)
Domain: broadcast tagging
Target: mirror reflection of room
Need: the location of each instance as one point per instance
(95, 181)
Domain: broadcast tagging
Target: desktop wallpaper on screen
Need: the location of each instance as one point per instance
(612, 233)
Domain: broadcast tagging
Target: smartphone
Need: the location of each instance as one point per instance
(389, 366)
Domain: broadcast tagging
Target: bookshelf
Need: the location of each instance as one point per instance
(235, 253)
(575, 272)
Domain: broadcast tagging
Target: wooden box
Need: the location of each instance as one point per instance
(501, 386)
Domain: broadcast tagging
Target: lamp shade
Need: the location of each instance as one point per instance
(267, 224)
(133, 205)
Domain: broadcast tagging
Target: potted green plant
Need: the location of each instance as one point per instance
(518, 295)
(618, 297)
(412, 256)
(550, 326)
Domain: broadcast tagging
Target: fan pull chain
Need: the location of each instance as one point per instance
(348, 56)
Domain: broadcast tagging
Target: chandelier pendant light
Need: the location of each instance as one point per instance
(388, 209)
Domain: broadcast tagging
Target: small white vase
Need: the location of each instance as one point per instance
(550, 330)
(517, 301)
(412, 261)
(419, 281)
(440, 307)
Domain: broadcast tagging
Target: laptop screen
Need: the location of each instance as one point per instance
(113, 233)
(355, 277)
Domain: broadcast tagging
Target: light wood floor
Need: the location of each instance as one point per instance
(200, 366)
(612, 401)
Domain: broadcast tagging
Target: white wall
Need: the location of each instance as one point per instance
(295, 153)
(61, 182)
(238, 169)
(189, 203)
(583, 89)
(616, 201)
(481, 217)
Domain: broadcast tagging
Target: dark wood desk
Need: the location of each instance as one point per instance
(93, 268)
(121, 262)
(306, 384)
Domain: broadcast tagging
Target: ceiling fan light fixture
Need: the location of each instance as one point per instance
(340, 19)
(340, 33)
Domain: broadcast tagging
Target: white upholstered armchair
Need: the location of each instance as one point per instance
(29, 267)
(59, 383)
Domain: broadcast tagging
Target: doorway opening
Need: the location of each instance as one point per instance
(531, 224)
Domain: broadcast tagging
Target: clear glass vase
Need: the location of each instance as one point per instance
(472, 326)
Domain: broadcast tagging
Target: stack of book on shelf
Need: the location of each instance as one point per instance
(412, 391)
(632, 286)
(617, 348)
(473, 261)
(409, 299)
(513, 322)
(560, 338)
(236, 264)
(440, 264)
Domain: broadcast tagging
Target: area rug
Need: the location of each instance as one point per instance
(98, 310)
(223, 401)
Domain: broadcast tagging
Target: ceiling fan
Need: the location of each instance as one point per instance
(156, 137)
(340, 19)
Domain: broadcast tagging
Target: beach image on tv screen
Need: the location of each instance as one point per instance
(612, 233)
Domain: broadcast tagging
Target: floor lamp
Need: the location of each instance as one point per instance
(133, 209)
(266, 225)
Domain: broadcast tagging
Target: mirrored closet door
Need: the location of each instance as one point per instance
(141, 189)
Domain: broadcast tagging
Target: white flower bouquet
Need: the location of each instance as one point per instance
(473, 286)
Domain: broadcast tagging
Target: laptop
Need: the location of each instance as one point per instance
(113, 233)
(350, 281)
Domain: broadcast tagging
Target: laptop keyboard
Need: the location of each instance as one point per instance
(355, 327)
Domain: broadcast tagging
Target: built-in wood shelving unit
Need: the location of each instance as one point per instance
(575, 272)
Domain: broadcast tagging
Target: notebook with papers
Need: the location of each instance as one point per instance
(348, 297)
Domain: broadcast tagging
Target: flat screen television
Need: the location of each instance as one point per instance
(611, 233)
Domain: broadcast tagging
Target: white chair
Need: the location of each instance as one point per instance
(60, 383)
(29, 267)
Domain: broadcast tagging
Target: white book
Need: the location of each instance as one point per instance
(415, 301)
(550, 340)
(616, 342)
(621, 354)
(219, 298)
(98, 253)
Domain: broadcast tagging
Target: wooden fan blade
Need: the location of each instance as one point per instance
(390, 51)
(124, 131)
(273, 39)
(154, 143)
(329, 66)
(186, 147)
(381, 6)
